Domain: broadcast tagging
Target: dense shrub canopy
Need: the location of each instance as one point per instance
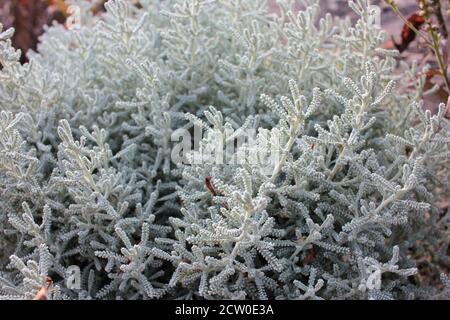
(89, 130)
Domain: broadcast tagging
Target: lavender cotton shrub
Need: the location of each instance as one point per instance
(333, 196)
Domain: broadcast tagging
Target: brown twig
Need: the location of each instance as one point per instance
(212, 190)
(210, 186)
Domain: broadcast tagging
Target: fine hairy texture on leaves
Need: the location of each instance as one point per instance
(89, 128)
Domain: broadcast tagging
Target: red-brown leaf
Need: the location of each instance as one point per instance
(408, 35)
(432, 72)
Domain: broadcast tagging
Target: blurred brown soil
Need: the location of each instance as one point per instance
(28, 17)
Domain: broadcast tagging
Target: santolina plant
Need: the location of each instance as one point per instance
(196, 149)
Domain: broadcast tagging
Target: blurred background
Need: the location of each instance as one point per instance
(29, 16)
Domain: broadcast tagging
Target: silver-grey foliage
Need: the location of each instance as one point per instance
(86, 177)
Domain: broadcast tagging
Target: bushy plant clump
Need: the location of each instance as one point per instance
(88, 134)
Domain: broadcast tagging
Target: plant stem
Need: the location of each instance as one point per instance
(440, 17)
(440, 59)
(280, 164)
(435, 45)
